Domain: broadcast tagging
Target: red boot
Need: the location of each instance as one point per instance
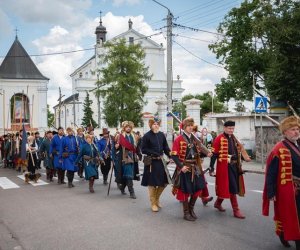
(236, 211)
(218, 205)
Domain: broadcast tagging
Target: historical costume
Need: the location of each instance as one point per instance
(125, 158)
(90, 158)
(68, 154)
(156, 175)
(32, 156)
(44, 152)
(79, 142)
(38, 141)
(188, 177)
(282, 183)
(105, 146)
(55, 147)
(227, 151)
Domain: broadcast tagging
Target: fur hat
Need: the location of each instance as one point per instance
(187, 122)
(153, 120)
(289, 122)
(127, 123)
(229, 123)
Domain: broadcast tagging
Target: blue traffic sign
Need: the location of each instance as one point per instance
(260, 104)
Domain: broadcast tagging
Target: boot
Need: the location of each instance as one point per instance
(54, 172)
(105, 179)
(51, 175)
(191, 207)
(91, 184)
(285, 242)
(70, 176)
(205, 200)
(59, 176)
(218, 205)
(80, 171)
(62, 176)
(122, 186)
(159, 191)
(130, 188)
(297, 243)
(47, 174)
(236, 211)
(186, 212)
(152, 195)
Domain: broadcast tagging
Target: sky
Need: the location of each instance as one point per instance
(48, 26)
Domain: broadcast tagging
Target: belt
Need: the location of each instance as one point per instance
(233, 162)
(189, 161)
(193, 167)
(155, 158)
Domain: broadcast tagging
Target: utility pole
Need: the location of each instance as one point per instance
(59, 107)
(74, 109)
(169, 72)
(3, 96)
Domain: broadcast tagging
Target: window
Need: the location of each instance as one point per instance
(80, 75)
(131, 39)
(19, 108)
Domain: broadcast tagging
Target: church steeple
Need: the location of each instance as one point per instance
(100, 32)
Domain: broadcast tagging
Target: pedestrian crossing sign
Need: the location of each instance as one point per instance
(260, 104)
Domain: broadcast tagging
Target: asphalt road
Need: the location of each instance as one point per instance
(53, 216)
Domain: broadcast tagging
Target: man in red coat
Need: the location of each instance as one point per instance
(282, 183)
(229, 178)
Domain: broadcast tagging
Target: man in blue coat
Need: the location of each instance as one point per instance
(54, 154)
(68, 155)
(80, 141)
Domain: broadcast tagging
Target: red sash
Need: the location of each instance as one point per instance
(126, 144)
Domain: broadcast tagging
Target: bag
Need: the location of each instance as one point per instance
(147, 160)
(176, 179)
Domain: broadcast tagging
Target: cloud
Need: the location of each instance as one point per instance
(6, 28)
(122, 2)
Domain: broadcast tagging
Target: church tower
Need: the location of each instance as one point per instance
(100, 32)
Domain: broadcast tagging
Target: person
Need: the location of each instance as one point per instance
(227, 151)
(44, 152)
(188, 176)
(79, 142)
(282, 183)
(68, 154)
(54, 154)
(38, 141)
(125, 157)
(90, 158)
(205, 193)
(156, 176)
(31, 149)
(104, 146)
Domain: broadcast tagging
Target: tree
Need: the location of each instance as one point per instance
(260, 45)
(240, 107)
(50, 117)
(123, 80)
(87, 118)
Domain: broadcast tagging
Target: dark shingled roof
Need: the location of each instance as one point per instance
(18, 65)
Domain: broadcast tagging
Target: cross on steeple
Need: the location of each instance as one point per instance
(16, 30)
(100, 17)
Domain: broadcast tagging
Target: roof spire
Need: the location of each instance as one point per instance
(100, 17)
(16, 30)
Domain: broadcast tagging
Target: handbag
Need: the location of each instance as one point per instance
(147, 160)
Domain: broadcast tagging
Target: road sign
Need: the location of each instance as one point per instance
(260, 104)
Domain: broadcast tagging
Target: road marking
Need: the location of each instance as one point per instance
(257, 191)
(6, 183)
(39, 182)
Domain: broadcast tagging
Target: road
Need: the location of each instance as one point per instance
(51, 216)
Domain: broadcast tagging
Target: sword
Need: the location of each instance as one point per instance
(111, 173)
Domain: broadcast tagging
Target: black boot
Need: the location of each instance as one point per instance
(58, 176)
(70, 175)
(105, 179)
(191, 207)
(186, 211)
(283, 241)
(62, 176)
(130, 188)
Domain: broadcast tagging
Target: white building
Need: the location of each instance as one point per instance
(23, 92)
(84, 80)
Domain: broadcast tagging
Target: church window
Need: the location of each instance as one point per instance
(19, 109)
(80, 75)
(131, 40)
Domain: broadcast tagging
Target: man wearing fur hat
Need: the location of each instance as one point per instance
(154, 145)
(188, 177)
(229, 178)
(282, 183)
(125, 158)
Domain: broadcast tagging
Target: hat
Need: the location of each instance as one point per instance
(59, 128)
(187, 122)
(104, 131)
(229, 123)
(154, 120)
(127, 123)
(289, 122)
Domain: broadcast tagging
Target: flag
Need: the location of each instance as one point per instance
(23, 145)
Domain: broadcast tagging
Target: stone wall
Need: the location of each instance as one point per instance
(271, 135)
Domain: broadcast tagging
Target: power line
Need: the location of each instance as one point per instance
(197, 56)
(195, 29)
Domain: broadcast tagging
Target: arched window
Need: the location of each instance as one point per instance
(19, 108)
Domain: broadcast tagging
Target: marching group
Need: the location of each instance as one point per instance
(64, 155)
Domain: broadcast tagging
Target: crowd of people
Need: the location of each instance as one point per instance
(65, 154)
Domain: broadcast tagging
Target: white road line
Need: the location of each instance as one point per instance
(39, 182)
(256, 191)
(6, 183)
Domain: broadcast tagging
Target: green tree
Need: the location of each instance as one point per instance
(123, 79)
(50, 117)
(261, 45)
(87, 118)
(239, 107)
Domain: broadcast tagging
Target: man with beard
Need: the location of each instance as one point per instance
(68, 155)
(156, 175)
(44, 150)
(54, 154)
(125, 158)
(282, 183)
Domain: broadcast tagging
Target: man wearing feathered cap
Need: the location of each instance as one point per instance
(156, 175)
(227, 151)
(126, 158)
(188, 178)
(282, 183)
